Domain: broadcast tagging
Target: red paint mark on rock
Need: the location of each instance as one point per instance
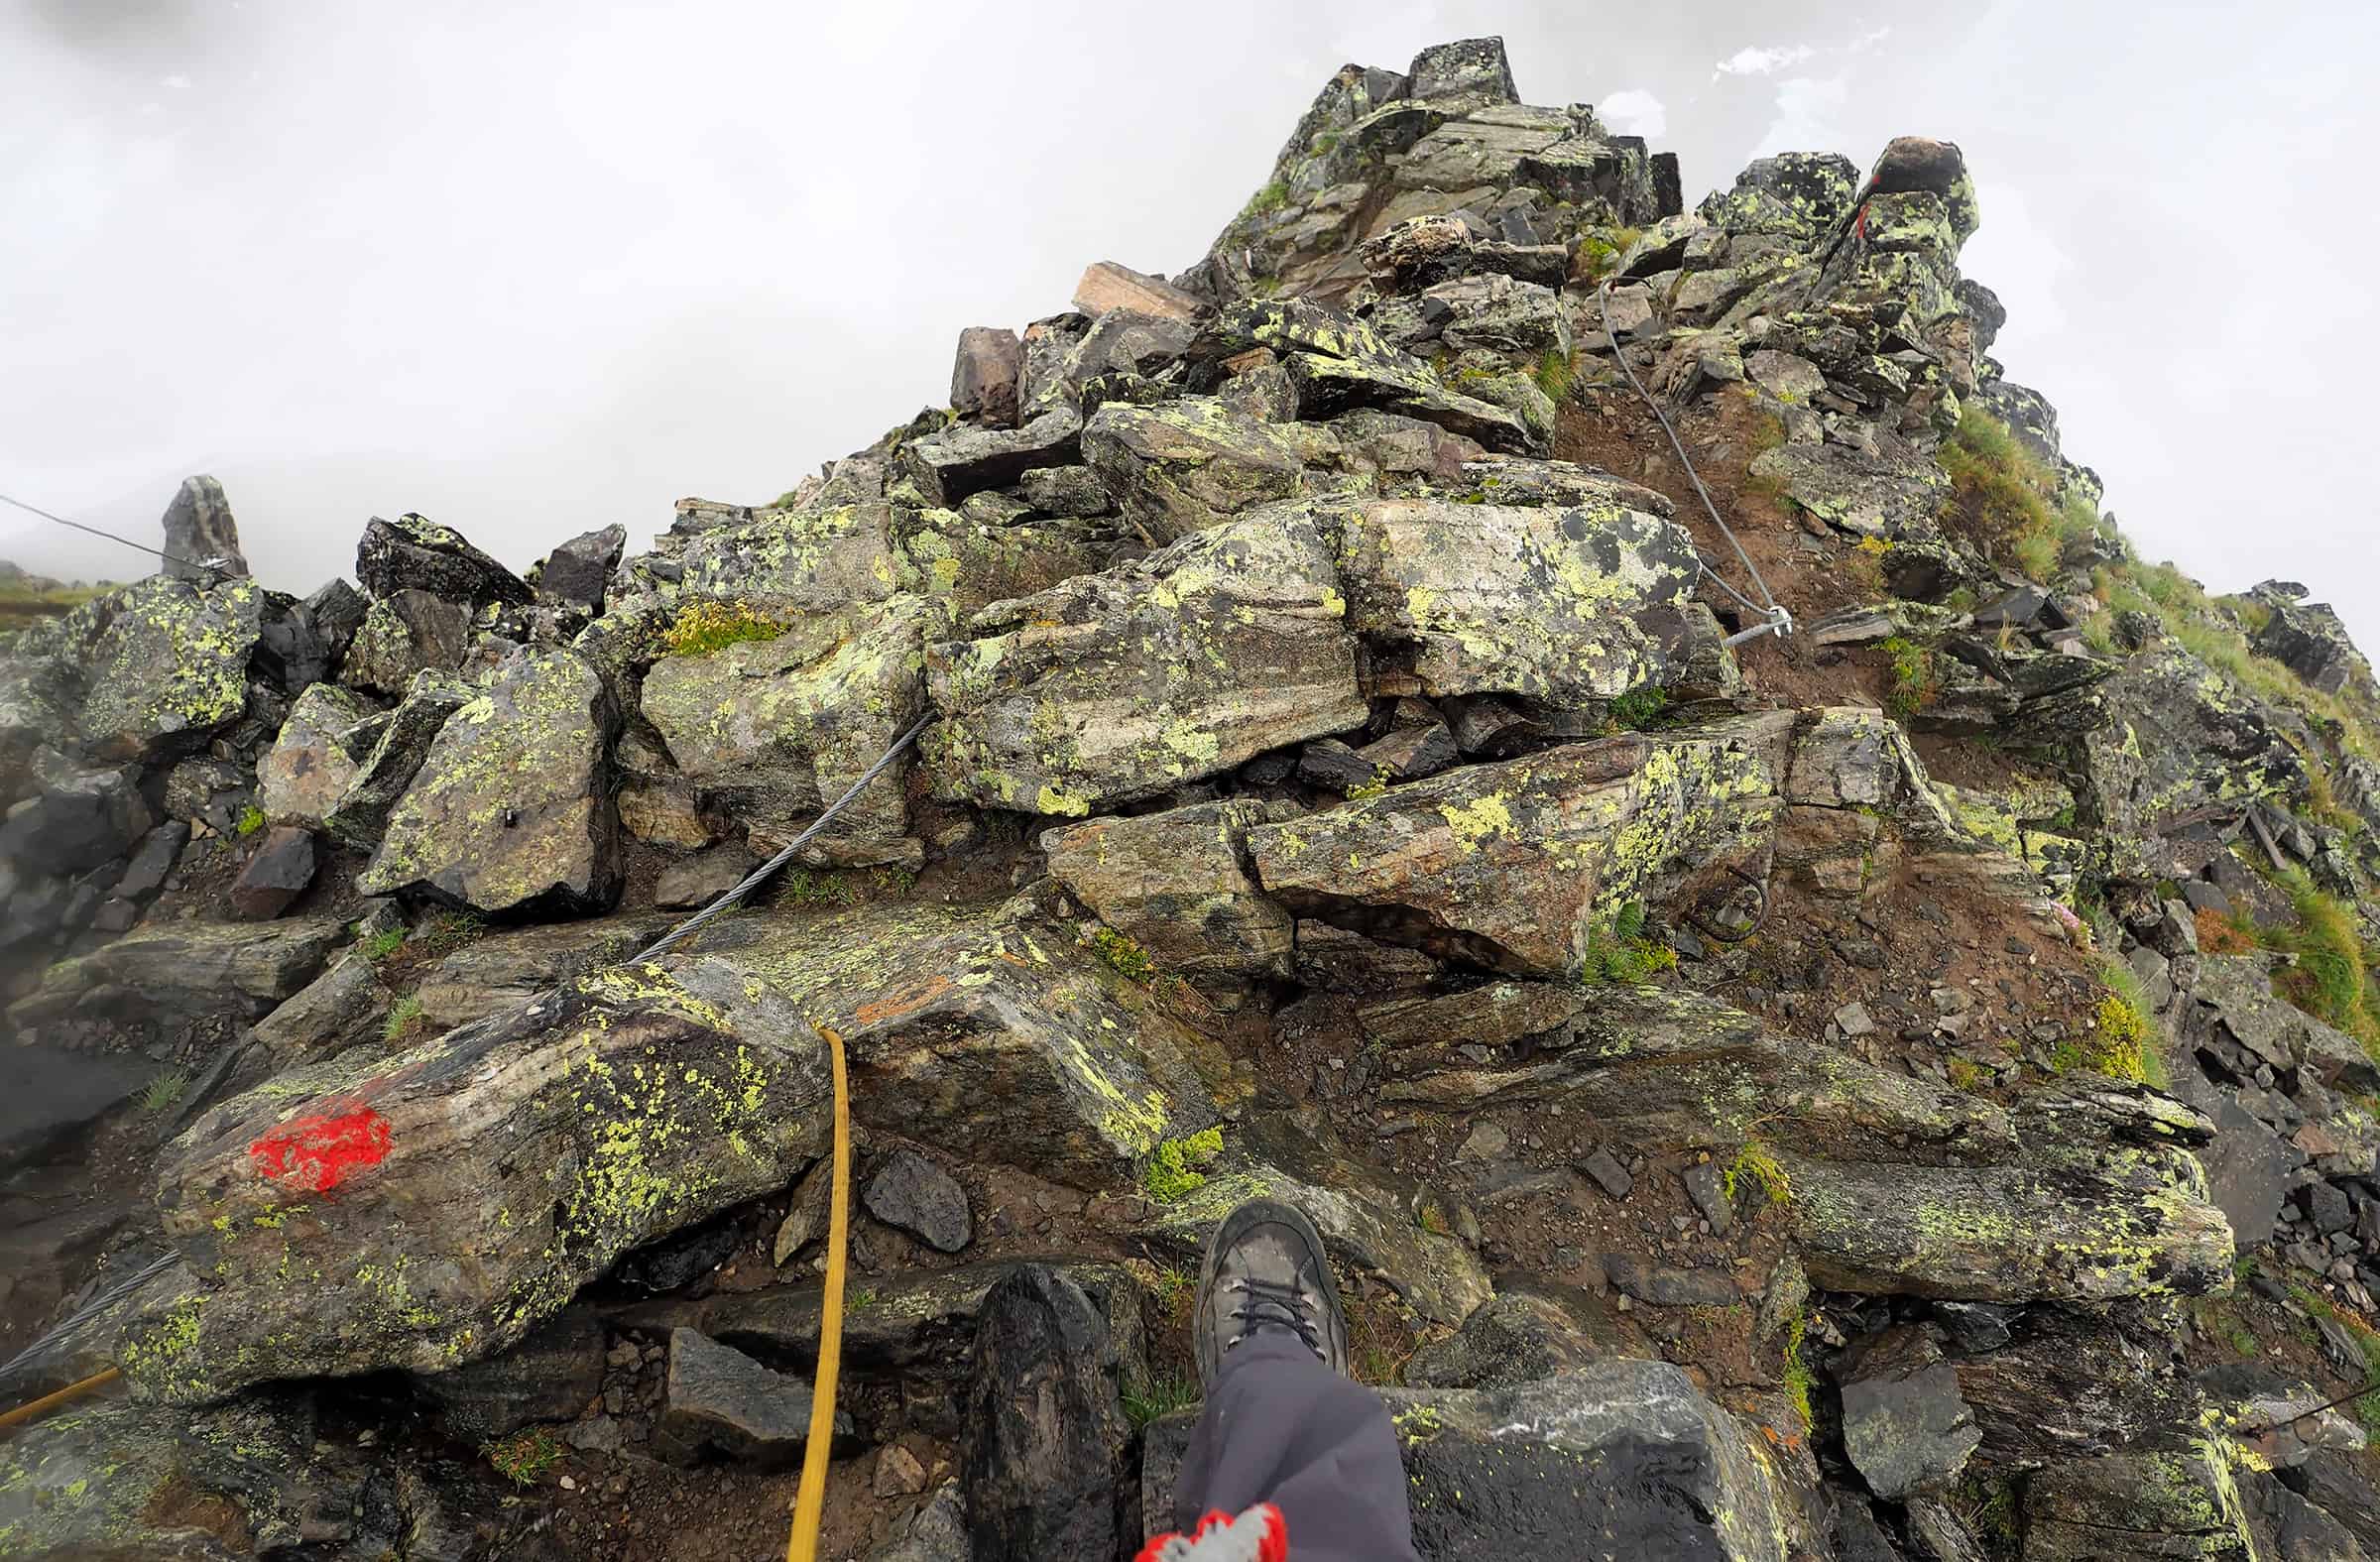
(321, 1150)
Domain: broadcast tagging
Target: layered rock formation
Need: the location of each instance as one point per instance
(1845, 1097)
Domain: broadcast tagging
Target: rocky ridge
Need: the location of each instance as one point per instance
(1900, 1091)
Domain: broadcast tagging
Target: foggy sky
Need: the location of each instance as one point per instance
(537, 266)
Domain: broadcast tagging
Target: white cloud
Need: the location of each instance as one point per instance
(1868, 40)
(1809, 116)
(1752, 62)
(1634, 112)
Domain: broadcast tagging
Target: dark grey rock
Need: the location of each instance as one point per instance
(1334, 767)
(704, 876)
(345, 1005)
(548, 1377)
(1471, 69)
(2205, 896)
(336, 610)
(1706, 1186)
(407, 633)
(965, 458)
(276, 875)
(717, 1400)
(1410, 753)
(984, 373)
(76, 821)
(2326, 1204)
(46, 1093)
(915, 1195)
(576, 573)
(200, 533)
(1609, 1173)
(1043, 1455)
(936, 1532)
(678, 1260)
(416, 553)
(394, 757)
(1904, 1424)
(1065, 491)
(1667, 1285)
(1525, 1333)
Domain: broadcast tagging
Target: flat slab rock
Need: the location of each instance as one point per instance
(1121, 685)
(718, 1400)
(241, 969)
(1515, 866)
(992, 1038)
(1620, 1458)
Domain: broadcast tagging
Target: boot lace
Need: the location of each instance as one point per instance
(1269, 1305)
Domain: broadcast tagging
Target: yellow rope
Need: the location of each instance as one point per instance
(26, 1412)
(809, 1500)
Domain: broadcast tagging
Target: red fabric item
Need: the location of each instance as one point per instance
(1223, 1530)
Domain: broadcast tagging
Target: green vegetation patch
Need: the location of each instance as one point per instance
(701, 628)
(1176, 1168)
(2005, 498)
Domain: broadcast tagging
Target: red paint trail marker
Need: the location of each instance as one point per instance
(319, 1151)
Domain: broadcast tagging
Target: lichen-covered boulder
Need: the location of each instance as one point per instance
(427, 1210)
(511, 812)
(1520, 866)
(1181, 466)
(171, 668)
(2164, 737)
(2126, 1221)
(2134, 1507)
(397, 746)
(315, 760)
(1889, 495)
(417, 553)
(967, 459)
(1667, 1070)
(991, 1038)
(1176, 884)
(1123, 684)
(405, 634)
(1487, 598)
(784, 726)
(1795, 194)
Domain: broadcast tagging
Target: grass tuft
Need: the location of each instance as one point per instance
(1556, 375)
(251, 820)
(162, 1092)
(1916, 677)
(2001, 496)
(1160, 1396)
(2332, 977)
(523, 1457)
(405, 1019)
(1622, 953)
(383, 944)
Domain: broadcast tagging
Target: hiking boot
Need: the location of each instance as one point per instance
(1264, 1271)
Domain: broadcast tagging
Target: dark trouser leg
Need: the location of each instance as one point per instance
(1281, 1427)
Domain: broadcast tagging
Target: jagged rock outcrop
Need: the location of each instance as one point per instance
(200, 535)
(1330, 786)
